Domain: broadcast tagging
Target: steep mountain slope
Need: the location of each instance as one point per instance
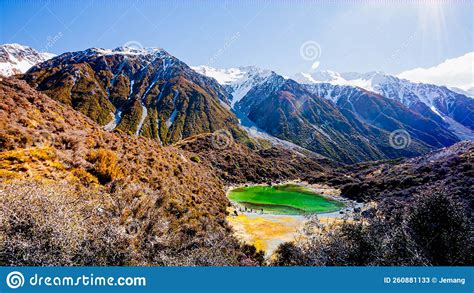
(468, 92)
(154, 204)
(452, 108)
(237, 163)
(455, 109)
(386, 114)
(448, 170)
(143, 92)
(292, 112)
(17, 59)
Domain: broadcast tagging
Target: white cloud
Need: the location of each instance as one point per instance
(457, 72)
(315, 65)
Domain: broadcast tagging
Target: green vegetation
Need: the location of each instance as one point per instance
(284, 199)
(195, 159)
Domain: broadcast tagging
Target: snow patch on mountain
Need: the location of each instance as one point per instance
(367, 81)
(327, 76)
(173, 115)
(237, 81)
(468, 92)
(144, 108)
(127, 51)
(114, 122)
(223, 76)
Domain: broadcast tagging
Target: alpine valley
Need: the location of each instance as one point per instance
(126, 156)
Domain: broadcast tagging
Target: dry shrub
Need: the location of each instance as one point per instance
(434, 230)
(58, 224)
(64, 224)
(106, 167)
(84, 177)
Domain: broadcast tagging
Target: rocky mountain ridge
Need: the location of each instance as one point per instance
(144, 92)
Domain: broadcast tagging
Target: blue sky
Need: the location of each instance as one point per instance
(350, 37)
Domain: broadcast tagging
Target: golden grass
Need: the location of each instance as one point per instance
(29, 162)
(263, 231)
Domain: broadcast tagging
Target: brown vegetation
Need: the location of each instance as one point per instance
(177, 207)
(255, 162)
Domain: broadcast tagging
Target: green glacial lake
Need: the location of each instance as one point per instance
(287, 199)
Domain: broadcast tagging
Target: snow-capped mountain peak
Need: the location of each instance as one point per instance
(128, 51)
(223, 76)
(367, 81)
(318, 77)
(17, 59)
(237, 81)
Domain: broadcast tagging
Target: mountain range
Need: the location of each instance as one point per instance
(348, 117)
(343, 116)
(432, 101)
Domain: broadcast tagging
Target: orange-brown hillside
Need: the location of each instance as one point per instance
(163, 207)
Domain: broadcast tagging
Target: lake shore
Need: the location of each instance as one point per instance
(266, 231)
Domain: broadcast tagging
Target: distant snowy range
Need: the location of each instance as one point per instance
(445, 90)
